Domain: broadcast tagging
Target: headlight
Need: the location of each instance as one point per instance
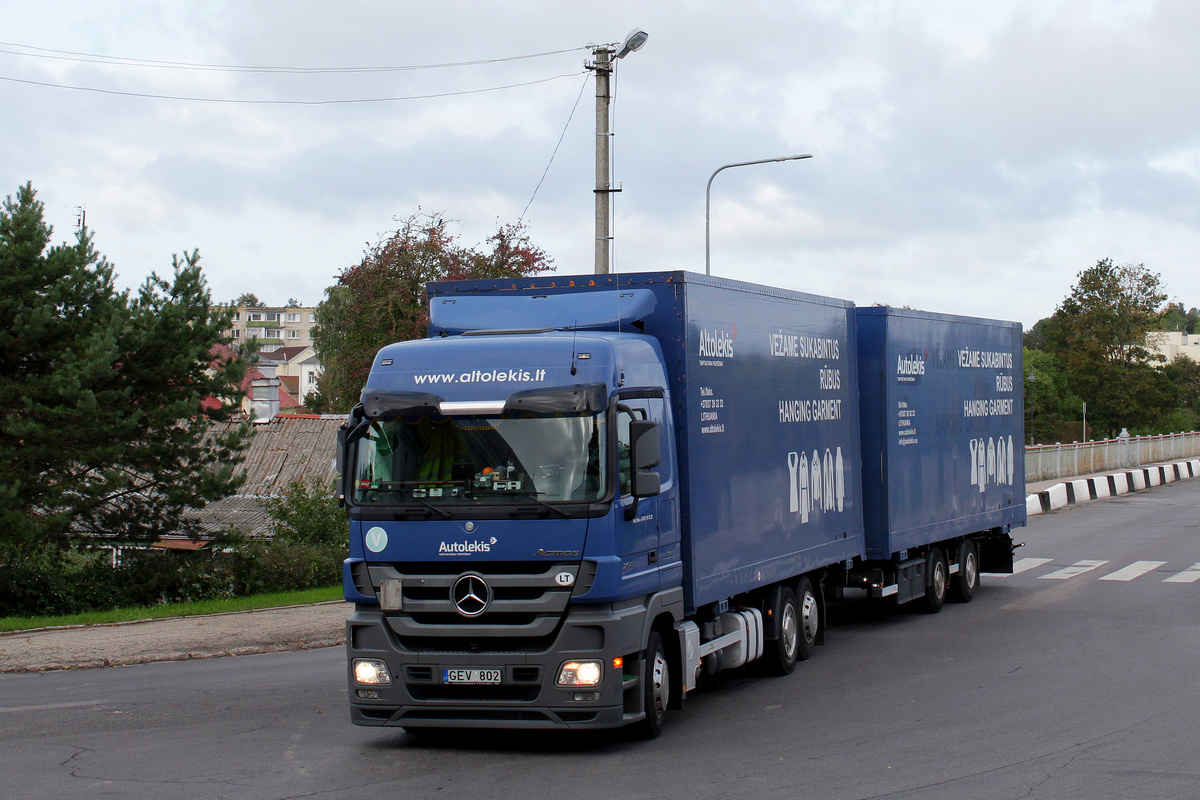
(371, 672)
(580, 673)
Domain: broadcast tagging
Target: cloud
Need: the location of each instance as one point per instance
(968, 158)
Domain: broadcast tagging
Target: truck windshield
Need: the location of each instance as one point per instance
(482, 460)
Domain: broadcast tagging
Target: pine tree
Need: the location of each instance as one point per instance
(106, 397)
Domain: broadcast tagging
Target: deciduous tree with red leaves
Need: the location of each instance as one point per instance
(382, 299)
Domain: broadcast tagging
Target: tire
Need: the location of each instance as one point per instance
(656, 689)
(936, 581)
(780, 655)
(808, 608)
(964, 583)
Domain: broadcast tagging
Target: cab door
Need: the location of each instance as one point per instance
(649, 537)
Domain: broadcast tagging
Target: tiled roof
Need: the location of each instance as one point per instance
(246, 514)
(287, 397)
(282, 355)
(291, 447)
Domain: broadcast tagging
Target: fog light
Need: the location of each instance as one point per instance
(586, 696)
(580, 673)
(372, 672)
(368, 694)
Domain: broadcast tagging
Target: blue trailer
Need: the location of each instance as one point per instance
(943, 457)
(579, 496)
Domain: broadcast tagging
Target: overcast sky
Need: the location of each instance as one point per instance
(969, 157)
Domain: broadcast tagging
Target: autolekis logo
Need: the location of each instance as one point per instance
(716, 345)
(466, 548)
(909, 368)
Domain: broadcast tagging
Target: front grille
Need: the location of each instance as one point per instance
(420, 673)
(526, 603)
(526, 674)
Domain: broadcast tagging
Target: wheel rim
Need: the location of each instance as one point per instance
(809, 617)
(939, 578)
(789, 630)
(659, 685)
(970, 569)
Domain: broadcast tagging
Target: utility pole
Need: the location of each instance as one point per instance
(603, 67)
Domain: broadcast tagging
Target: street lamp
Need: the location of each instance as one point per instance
(1028, 407)
(633, 42)
(603, 67)
(708, 193)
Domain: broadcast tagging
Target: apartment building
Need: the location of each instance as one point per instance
(274, 327)
(1174, 343)
(297, 369)
(284, 337)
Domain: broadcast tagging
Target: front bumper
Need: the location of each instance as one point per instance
(527, 697)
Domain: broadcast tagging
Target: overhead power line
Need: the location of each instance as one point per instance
(94, 58)
(289, 102)
(561, 136)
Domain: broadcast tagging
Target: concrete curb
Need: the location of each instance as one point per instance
(238, 633)
(1085, 490)
(24, 631)
(152, 658)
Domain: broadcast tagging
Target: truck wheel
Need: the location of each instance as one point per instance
(781, 653)
(964, 583)
(656, 689)
(935, 581)
(810, 619)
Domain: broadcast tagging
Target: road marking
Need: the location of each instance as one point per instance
(1078, 568)
(1135, 570)
(52, 706)
(1020, 566)
(1189, 575)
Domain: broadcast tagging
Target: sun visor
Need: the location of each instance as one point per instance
(578, 399)
(384, 403)
(583, 311)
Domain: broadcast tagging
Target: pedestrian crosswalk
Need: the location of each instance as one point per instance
(1101, 569)
(1078, 568)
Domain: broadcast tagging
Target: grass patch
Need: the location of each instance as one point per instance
(166, 610)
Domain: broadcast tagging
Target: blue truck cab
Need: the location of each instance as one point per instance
(578, 497)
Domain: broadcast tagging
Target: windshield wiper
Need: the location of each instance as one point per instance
(443, 513)
(533, 496)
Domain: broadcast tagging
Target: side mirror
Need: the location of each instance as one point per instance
(644, 455)
(646, 484)
(339, 459)
(339, 462)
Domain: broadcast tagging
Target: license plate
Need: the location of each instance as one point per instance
(472, 676)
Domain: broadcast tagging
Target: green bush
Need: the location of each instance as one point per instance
(307, 550)
(51, 580)
(284, 566)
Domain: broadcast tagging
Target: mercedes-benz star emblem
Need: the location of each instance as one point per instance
(470, 595)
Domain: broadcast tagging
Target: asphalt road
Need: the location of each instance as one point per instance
(1070, 679)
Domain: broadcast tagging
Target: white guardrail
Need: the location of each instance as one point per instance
(1134, 479)
(1044, 462)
